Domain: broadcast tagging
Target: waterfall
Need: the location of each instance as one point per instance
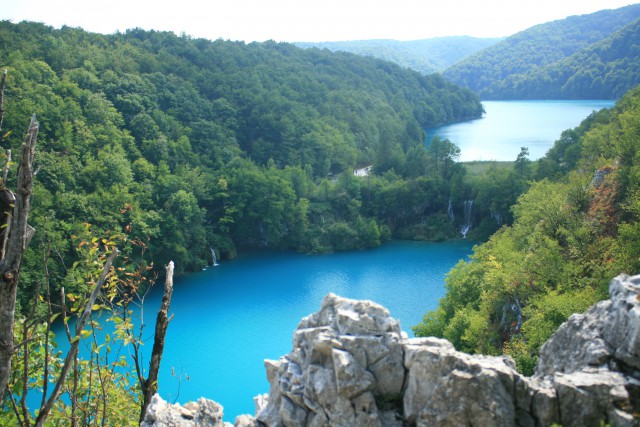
(452, 217)
(213, 257)
(497, 217)
(468, 213)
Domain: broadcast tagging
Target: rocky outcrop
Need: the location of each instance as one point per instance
(346, 368)
(203, 413)
(352, 366)
(593, 359)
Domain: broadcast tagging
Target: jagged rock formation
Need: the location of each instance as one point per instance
(203, 413)
(352, 366)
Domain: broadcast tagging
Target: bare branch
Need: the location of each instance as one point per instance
(150, 385)
(64, 313)
(71, 355)
(6, 168)
(15, 408)
(26, 329)
(7, 202)
(4, 79)
(46, 255)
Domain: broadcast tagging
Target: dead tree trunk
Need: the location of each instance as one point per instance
(150, 385)
(15, 239)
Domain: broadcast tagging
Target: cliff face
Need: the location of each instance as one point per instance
(352, 366)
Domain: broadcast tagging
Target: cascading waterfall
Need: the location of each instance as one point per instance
(213, 257)
(452, 217)
(468, 213)
(497, 217)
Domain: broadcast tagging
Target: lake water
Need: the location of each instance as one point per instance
(229, 318)
(509, 125)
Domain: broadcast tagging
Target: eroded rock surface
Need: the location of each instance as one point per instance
(352, 366)
(203, 413)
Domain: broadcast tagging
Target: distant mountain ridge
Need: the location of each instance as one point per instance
(550, 60)
(426, 56)
(606, 69)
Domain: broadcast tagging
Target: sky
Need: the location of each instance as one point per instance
(305, 20)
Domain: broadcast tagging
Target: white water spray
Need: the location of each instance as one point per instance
(468, 213)
(214, 259)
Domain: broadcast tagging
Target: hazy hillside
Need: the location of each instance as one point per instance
(606, 69)
(427, 56)
(491, 71)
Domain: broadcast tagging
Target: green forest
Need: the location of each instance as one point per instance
(573, 230)
(591, 56)
(168, 147)
(155, 147)
(606, 69)
(187, 144)
(426, 56)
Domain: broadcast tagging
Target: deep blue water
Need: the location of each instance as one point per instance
(229, 318)
(509, 125)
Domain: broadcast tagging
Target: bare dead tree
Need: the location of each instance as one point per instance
(150, 385)
(15, 235)
(2, 82)
(15, 239)
(73, 395)
(5, 172)
(7, 198)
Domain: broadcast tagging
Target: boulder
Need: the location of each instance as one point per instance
(607, 335)
(347, 359)
(203, 413)
(446, 387)
(585, 398)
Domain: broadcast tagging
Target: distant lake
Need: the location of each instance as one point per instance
(509, 125)
(229, 318)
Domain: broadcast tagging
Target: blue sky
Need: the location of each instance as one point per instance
(305, 20)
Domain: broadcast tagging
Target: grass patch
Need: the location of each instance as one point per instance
(480, 167)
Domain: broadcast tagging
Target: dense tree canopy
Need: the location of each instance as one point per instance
(581, 57)
(169, 147)
(573, 230)
(603, 70)
(188, 144)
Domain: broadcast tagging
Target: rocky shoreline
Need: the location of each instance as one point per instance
(351, 365)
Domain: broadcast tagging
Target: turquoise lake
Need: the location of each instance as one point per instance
(509, 125)
(229, 318)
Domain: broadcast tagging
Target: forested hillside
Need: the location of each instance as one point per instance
(576, 228)
(493, 72)
(169, 147)
(183, 145)
(426, 56)
(604, 70)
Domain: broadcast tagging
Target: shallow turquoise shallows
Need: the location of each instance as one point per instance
(229, 318)
(509, 125)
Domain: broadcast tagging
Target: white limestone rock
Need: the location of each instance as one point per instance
(588, 397)
(203, 413)
(607, 333)
(446, 387)
(352, 366)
